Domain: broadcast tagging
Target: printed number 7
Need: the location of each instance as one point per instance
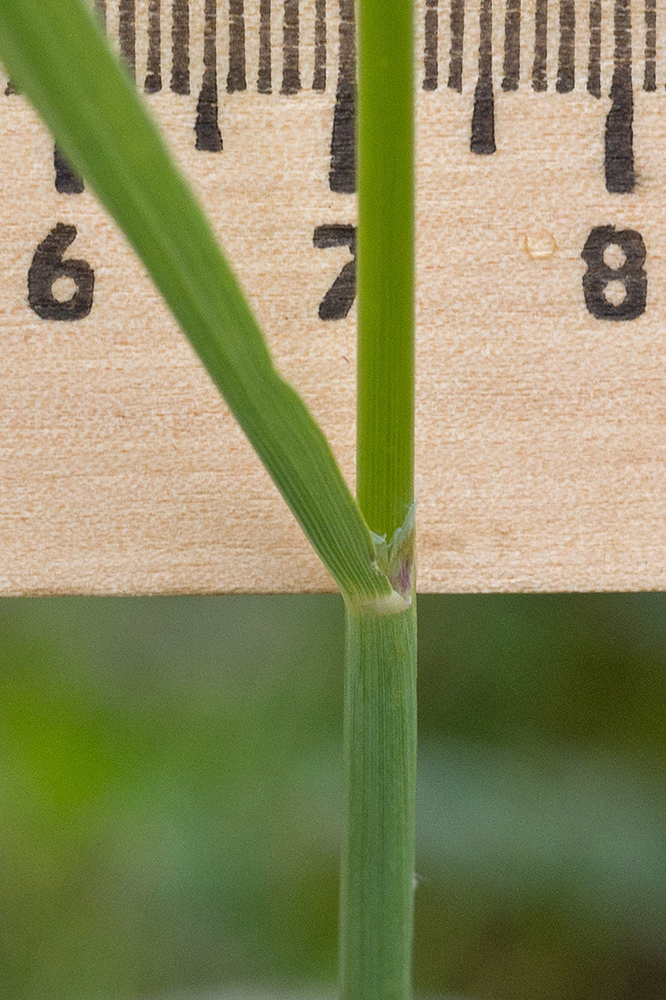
(339, 298)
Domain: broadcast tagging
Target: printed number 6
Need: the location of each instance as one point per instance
(47, 266)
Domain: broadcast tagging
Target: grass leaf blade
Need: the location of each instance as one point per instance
(56, 54)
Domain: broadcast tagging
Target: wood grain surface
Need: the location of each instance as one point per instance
(541, 375)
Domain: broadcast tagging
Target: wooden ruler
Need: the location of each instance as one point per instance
(541, 303)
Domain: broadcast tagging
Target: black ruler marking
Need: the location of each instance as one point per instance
(291, 74)
(180, 47)
(566, 67)
(430, 49)
(342, 175)
(127, 34)
(153, 81)
(209, 138)
(236, 75)
(340, 297)
(650, 76)
(457, 16)
(319, 75)
(619, 154)
(619, 160)
(483, 116)
(512, 24)
(516, 24)
(67, 181)
(100, 6)
(540, 64)
(264, 78)
(594, 57)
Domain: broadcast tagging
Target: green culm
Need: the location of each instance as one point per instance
(57, 55)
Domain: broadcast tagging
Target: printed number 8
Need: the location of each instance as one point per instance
(600, 274)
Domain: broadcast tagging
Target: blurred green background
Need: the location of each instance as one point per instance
(170, 796)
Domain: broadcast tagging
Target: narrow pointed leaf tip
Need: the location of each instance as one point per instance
(56, 54)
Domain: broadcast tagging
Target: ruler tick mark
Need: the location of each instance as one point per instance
(127, 34)
(100, 6)
(619, 159)
(291, 74)
(342, 175)
(180, 47)
(319, 75)
(430, 52)
(236, 75)
(566, 69)
(207, 129)
(264, 78)
(457, 16)
(512, 46)
(67, 181)
(650, 75)
(483, 116)
(594, 58)
(153, 81)
(540, 65)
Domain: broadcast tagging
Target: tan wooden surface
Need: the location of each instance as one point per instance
(541, 429)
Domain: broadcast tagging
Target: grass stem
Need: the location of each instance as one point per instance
(377, 870)
(377, 867)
